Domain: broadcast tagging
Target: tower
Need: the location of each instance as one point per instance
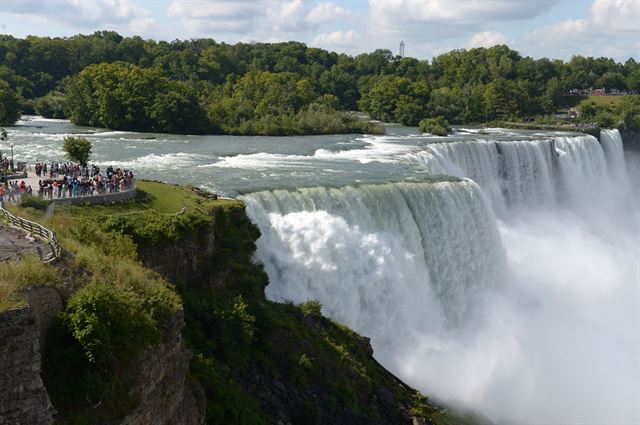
(401, 49)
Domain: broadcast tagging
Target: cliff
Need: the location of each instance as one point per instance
(631, 140)
(220, 353)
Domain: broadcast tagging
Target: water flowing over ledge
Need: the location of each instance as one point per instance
(441, 285)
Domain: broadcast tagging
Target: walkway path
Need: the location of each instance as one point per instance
(14, 243)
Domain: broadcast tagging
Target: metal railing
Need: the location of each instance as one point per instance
(36, 230)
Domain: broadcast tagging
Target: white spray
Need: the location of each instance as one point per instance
(532, 318)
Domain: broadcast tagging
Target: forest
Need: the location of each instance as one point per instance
(203, 86)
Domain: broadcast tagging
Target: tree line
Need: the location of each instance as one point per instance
(203, 86)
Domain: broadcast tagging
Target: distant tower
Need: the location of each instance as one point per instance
(401, 49)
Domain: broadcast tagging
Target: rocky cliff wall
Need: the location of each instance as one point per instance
(631, 140)
(161, 383)
(23, 396)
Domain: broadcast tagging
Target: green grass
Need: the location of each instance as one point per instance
(579, 101)
(15, 276)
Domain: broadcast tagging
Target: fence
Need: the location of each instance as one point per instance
(36, 230)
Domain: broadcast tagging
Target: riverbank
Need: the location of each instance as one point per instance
(592, 130)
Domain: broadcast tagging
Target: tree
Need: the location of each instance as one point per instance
(437, 126)
(78, 149)
(9, 106)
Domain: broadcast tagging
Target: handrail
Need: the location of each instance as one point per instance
(35, 229)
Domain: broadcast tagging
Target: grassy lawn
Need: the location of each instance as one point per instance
(580, 101)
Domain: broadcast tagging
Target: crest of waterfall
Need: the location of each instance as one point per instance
(612, 145)
(375, 251)
(525, 174)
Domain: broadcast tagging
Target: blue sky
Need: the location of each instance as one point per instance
(551, 28)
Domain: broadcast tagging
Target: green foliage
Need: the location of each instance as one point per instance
(227, 402)
(78, 149)
(9, 104)
(110, 323)
(51, 105)
(311, 307)
(82, 393)
(34, 202)
(241, 322)
(17, 275)
(124, 96)
(437, 126)
(623, 114)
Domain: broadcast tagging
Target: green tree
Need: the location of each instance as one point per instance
(9, 105)
(110, 323)
(51, 105)
(78, 149)
(437, 126)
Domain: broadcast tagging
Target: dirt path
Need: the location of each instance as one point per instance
(14, 243)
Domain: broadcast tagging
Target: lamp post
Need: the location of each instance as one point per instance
(13, 168)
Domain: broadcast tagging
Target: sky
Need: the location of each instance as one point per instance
(538, 28)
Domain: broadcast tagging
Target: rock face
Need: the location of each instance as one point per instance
(23, 397)
(630, 140)
(184, 261)
(160, 382)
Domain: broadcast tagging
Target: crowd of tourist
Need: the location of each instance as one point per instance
(58, 180)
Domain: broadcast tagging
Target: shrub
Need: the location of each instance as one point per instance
(34, 202)
(311, 308)
(16, 275)
(109, 323)
(240, 319)
(437, 126)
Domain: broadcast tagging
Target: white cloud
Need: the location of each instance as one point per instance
(616, 15)
(120, 15)
(262, 19)
(335, 39)
(325, 12)
(487, 39)
(609, 29)
(464, 12)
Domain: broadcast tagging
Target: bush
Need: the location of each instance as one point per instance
(311, 308)
(110, 323)
(437, 126)
(29, 201)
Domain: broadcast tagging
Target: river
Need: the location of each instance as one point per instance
(495, 268)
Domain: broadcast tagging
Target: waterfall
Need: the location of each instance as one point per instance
(512, 315)
(612, 145)
(525, 174)
(372, 250)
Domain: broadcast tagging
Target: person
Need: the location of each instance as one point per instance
(1, 192)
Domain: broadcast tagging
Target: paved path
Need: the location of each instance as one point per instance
(14, 242)
(32, 180)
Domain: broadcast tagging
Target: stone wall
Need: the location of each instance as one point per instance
(98, 199)
(23, 397)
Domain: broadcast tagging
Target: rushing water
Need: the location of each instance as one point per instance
(512, 285)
